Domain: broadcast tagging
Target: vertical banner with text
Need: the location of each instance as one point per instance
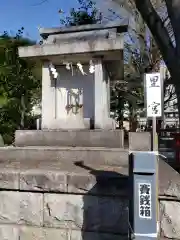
(154, 95)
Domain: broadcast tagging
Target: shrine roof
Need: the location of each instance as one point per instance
(121, 26)
(93, 39)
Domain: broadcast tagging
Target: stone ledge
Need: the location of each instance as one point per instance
(56, 176)
(89, 155)
(69, 177)
(64, 178)
(76, 138)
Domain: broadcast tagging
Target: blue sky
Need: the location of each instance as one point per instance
(15, 14)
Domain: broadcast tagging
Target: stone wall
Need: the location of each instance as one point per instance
(170, 218)
(61, 216)
(43, 216)
(41, 204)
(82, 204)
(169, 197)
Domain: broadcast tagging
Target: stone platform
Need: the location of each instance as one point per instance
(89, 155)
(76, 138)
(78, 193)
(43, 200)
(62, 201)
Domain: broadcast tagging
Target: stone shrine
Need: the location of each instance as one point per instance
(78, 65)
(70, 179)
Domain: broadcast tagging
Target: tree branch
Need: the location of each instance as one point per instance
(158, 30)
(39, 3)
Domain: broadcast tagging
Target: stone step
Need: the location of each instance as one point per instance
(71, 138)
(70, 178)
(90, 155)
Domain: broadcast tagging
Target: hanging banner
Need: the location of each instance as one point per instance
(154, 95)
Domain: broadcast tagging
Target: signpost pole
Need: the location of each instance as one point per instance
(154, 135)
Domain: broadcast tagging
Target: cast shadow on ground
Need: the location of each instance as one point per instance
(105, 210)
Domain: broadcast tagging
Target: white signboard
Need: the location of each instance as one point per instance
(154, 98)
(145, 205)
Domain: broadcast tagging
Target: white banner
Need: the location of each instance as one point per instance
(154, 97)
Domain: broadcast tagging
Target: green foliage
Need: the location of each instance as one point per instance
(87, 13)
(17, 85)
(141, 56)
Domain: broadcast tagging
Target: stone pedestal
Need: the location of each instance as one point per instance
(70, 138)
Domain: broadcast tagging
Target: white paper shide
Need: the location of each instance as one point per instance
(153, 94)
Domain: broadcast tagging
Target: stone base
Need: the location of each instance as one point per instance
(140, 141)
(101, 156)
(67, 123)
(70, 138)
(106, 124)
